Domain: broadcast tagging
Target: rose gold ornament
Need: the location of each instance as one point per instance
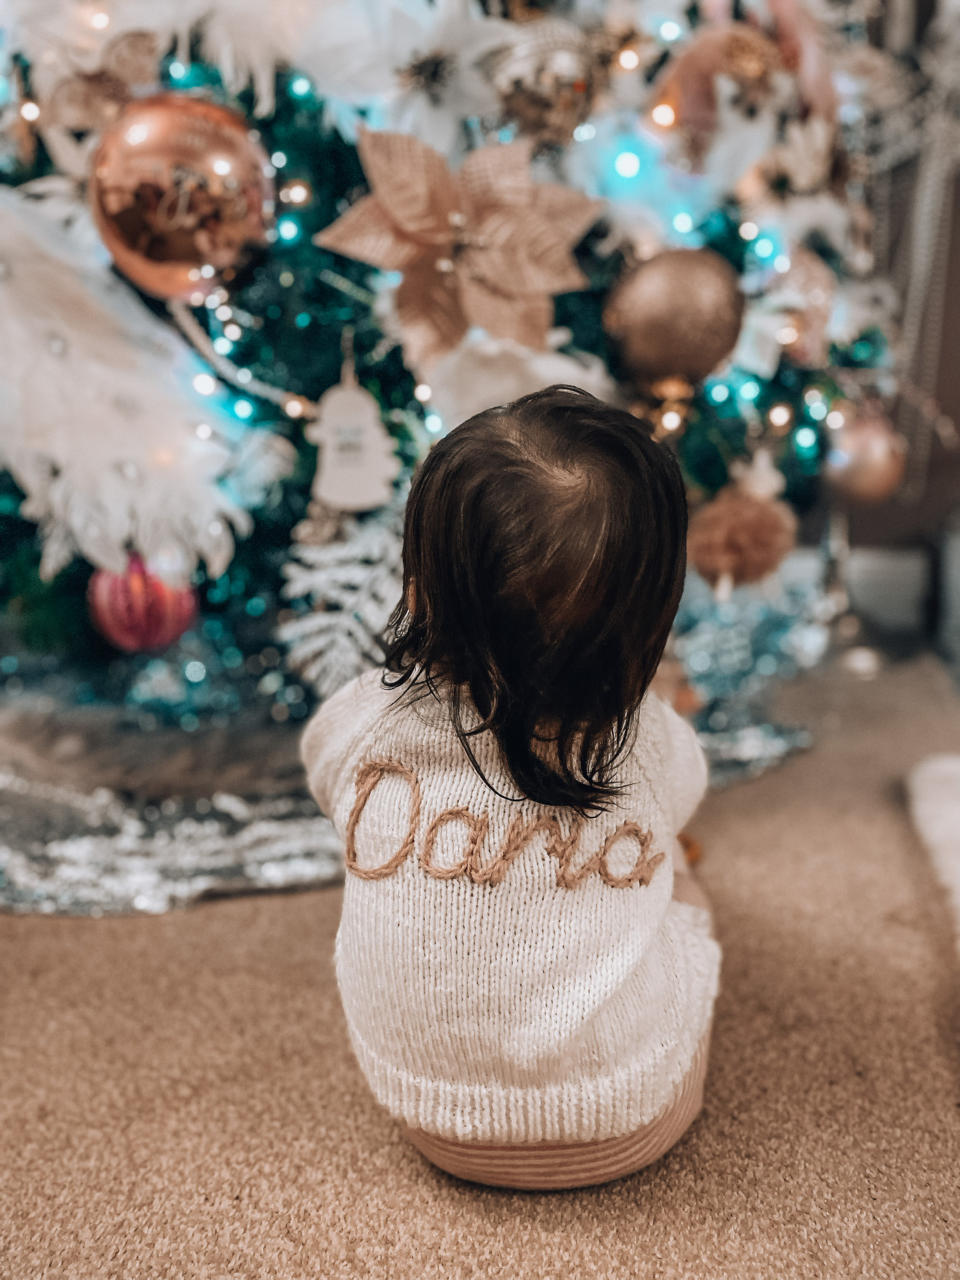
(179, 184)
(546, 78)
(740, 537)
(800, 40)
(678, 314)
(867, 457)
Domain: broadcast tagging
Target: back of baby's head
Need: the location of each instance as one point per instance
(544, 554)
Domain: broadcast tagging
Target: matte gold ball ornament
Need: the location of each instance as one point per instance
(867, 457)
(676, 315)
(180, 191)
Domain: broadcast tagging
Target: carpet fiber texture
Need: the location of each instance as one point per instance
(178, 1099)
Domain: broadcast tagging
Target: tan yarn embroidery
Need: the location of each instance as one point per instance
(519, 835)
(478, 831)
(642, 869)
(368, 775)
(521, 831)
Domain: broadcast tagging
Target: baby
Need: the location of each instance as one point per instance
(526, 964)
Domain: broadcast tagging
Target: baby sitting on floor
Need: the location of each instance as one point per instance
(525, 962)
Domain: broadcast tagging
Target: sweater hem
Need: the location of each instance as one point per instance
(583, 1109)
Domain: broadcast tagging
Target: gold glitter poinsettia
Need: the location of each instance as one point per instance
(486, 246)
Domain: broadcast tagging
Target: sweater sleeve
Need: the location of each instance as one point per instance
(326, 741)
(685, 765)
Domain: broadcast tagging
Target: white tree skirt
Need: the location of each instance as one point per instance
(934, 790)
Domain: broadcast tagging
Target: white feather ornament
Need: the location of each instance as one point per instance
(99, 424)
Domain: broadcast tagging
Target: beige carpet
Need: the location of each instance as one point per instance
(177, 1098)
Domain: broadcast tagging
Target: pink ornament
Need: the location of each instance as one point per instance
(137, 611)
(800, 41)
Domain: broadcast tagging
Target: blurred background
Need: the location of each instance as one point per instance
(250, 271)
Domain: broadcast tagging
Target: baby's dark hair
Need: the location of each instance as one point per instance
(543, 560)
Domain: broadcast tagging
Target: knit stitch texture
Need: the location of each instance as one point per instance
(510, 972)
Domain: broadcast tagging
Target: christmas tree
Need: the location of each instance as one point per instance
(249, 271)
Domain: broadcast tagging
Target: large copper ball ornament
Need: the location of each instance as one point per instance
(180, 191)
(867, 458)
(676, 315)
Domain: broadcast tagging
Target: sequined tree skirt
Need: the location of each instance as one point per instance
(97, 818)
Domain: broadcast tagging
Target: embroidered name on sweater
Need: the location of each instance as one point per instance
(563, 847)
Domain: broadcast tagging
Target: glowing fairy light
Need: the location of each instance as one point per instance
(629, 59)
(749, 230)
(670, 420)
(627, 164)
(663, 115)
(780, 415)
(670, 31)
(750, 390)
(29, 111)
(434, 423)
(422, 392)
(204, 384)
(683, 223)
(243, 408)
(719, 393)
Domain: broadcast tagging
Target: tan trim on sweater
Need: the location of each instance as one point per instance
(544, 1166)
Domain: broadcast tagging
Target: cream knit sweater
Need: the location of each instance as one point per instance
(508, 972)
